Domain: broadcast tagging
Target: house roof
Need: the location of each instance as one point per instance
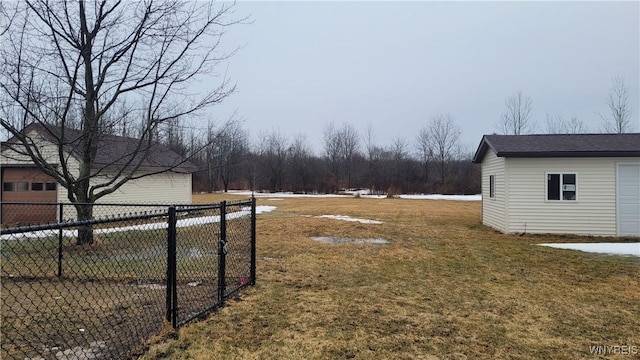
(115, 151)
(560, 145)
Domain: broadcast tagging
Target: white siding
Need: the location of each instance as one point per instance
(48, 150)
(594, 211)
(494, 209)
(165, 188)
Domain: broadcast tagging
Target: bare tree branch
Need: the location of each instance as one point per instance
(516, 120)
(618, 103)
(556, 124)
(82, 68)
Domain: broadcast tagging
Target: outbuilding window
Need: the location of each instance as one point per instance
(492, 186)
(562, 187)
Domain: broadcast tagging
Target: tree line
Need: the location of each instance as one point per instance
(432, 162)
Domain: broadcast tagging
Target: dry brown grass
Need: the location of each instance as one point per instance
(446, 287)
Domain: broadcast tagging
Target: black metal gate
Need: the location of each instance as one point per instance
(151, 267)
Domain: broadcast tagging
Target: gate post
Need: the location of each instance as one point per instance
(222, 253)
(253, 241)
(172, 291)
(60, 218)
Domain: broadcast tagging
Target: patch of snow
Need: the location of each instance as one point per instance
(94, 351)
(151, 226)
(349, 218)
(284, 194)
(339, 240)
(632, 249)
(264, 209)
(442, 197)
(153, 286)
(364, 193)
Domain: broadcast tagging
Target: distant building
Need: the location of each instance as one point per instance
(585, 184)
(23, 181)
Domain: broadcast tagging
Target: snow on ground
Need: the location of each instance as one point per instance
(632, 249)
(283, 194)
(349, 218)
(361, 193)
(443, 197)
(152, 226)
(264, 208)
(339, 240)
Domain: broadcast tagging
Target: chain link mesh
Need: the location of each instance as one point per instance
(63, 299)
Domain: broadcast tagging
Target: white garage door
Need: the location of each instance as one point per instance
(628, 199)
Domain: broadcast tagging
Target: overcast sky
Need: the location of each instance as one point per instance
(396, 64)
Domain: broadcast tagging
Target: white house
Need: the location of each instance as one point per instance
(585, 184)
(168, 180)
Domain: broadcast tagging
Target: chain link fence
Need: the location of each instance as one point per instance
(101, 288)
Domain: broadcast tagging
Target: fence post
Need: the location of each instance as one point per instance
(60, 219)
(222, 253)
(253, 241)
(172, 291)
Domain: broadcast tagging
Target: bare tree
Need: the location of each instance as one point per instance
(425, 144)
(445, 139)
(103, 60)
(350, 148)
(400, 152)
(227, 151)
(556, 124)
(341, 145)
(300, 161)
(369, 142)
(618, 102)
(516, 119)
(332, 146)
(272, 150)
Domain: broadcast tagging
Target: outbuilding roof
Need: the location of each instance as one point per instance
(115, 151)
(560, 145)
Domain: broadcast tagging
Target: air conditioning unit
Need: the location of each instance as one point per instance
(568, 187)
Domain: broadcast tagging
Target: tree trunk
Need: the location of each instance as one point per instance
(85, 232)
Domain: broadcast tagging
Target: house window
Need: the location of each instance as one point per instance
(22, 186)
(561, 187)
(37, 186)
(492, 186)
(8, 186)
(51, 186)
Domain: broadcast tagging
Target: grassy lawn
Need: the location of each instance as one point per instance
(444, 287)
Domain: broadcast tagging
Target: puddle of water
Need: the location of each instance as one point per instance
(339, 240)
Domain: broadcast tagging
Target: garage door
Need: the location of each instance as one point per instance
(628, 199)
(22, 184)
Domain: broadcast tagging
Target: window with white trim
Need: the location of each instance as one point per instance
(562, 187)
